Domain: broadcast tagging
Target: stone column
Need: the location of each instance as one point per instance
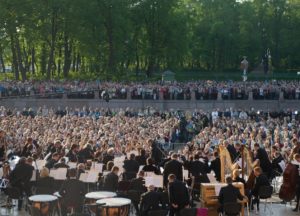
(193, 95)
(128, 94)
(281, 96)
(96, 93)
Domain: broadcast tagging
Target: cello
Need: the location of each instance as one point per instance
(287, 190)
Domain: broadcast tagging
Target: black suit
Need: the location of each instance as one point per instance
(151, 168)
(229, 194)
(111, 182)
(149, 201)
(178, 195)
(72, 192)
(138, 184)
(131, 168)
(260, 181)
(20, 178)
(173, 167)
(45, 185)
(141, 159)
(215, 166)
(197, 168)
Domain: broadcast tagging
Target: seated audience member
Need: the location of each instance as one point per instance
(260, 180)
(150, 167)
(45, 184)
(149, 201)
(61, 164)
(72, 192)
(131, 167)
(178, 195)
(111, 180)
(229, 194)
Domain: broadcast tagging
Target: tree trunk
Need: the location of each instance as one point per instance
(67, 56)
(109, 31)
(20, 59)
(33, 60)
(52, 45)
(43, 59)
(15, 66)
(59, 61)
(2, 60)
(77, 62)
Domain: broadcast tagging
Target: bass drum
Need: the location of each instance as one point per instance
(287, 190)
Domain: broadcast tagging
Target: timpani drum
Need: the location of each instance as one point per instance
(44, 203)
(114, 206)
(92, 197)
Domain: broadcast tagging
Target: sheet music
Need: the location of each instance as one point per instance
(1, 172)
(72, 165)
(141, 168)
(97, 167)
(212, 178)
(282, 165)
(217, 189)
(149, 174)
(39, 164)
(156, 181)
(92, 176)
(185, 174)
(33, 177)
(59, 174)
(83, 177)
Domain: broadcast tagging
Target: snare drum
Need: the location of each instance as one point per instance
(115, 206)
(44, 203)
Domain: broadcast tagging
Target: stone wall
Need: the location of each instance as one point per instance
(271, 105)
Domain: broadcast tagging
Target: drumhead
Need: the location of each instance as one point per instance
(114, 202)
(100, 195)
(42, 198)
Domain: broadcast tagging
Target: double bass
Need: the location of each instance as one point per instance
(287, 190)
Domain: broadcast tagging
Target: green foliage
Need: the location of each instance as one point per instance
(138, 39)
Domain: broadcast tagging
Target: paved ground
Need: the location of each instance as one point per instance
(278, 210)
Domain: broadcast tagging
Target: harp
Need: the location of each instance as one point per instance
(246, 163)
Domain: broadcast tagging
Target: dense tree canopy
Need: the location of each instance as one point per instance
(116, 38)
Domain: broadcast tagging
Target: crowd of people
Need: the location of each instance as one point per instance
(204, 90)
(143, 138)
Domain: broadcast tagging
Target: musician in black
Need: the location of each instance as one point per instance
(72, 192)
(54, 159)
(173, 167)
(260, 181)
(72, 154)
(20, 178)
(229, 194)
(178, 195)
(263, 157)
(150, 201)
(131, 167)
(111, 180)
(150, 167)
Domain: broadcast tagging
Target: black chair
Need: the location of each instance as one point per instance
(165, 200)
(135, 197)
(161, 212)
(265, 193)
(232, 209)
(12, 193)
(188, 212)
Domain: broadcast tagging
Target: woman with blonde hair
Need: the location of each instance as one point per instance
(45, 184)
